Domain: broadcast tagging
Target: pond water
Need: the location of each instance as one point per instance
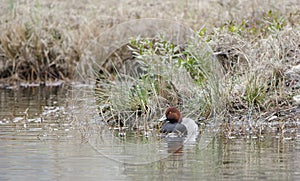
(45, 134)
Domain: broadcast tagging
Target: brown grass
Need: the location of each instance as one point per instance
(45, 40)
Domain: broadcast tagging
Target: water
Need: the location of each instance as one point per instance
(43, 136)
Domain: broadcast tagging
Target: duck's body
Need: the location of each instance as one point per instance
(178, 125)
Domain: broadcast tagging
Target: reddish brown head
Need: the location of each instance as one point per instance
(173, 115)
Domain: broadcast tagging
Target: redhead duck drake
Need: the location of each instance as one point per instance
(176, 124)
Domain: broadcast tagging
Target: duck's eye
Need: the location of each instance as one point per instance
(170, 113)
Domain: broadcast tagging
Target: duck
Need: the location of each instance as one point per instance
(178, 125)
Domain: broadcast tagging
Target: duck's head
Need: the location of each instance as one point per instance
(172, 114)
(173, 125)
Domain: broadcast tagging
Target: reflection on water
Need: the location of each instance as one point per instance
(236, 159)
(41, 140)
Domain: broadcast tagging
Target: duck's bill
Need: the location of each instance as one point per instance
(162, 118)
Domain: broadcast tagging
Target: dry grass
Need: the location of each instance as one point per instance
(45, 40)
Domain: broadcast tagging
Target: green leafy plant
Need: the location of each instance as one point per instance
(165, 74)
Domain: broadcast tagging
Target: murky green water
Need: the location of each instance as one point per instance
(45, 135)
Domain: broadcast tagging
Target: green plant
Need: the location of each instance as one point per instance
(255, 92)
(11, 5)
(275, 23)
